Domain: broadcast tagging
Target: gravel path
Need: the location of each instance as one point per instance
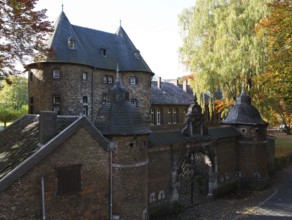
(228, 207)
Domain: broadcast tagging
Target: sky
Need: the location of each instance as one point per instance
(152, 25)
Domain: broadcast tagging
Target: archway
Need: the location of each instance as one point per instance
(193, 176)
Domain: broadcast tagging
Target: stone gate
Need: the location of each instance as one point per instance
(192, 164)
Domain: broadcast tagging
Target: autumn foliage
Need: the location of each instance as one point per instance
(275, 83)
(23, 30)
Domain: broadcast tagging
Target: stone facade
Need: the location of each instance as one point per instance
(71, 89)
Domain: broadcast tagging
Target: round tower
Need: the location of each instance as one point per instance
(252, 144)
(120, 120)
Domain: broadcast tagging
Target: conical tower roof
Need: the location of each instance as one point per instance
(243, 112)
(119, 116)
(94, 48)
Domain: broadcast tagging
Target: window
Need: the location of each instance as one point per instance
(161, 195)
(152, 197)
(152, 116)
(107, 79)
(134, 102)
(110, 79)
(57, 109)
(169, 116)
(85, 110)
(56, 74)
(133, 80)
(71, 43)
(174, 118)
(137, 55)
(31, 109)
(158, 117)
(85, 99)
(69, 179)
(84, 76)
(103, 52)
(104, 97)
(57, 99)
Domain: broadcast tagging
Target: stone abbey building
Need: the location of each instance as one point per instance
(103, 142)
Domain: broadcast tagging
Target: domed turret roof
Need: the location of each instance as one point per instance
(243, 112)
(118, 116)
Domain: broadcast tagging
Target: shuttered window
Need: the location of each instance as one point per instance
(69, 179)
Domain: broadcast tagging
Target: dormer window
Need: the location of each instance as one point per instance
(103, 52)
(71, 43)
(137, 55)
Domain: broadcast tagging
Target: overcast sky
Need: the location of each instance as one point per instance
(152, 25)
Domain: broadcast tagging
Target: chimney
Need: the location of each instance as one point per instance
(48, 125)
(159, 82)
(185, 85)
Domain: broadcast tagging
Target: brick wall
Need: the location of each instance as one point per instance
(22, 200)
(130, 177)
(160, 166)
(226, 164)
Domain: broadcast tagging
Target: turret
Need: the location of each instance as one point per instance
(252, 144)
(121, 121)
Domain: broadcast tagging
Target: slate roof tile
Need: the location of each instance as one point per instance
(169, 94)
(88, 45)
(20, 140)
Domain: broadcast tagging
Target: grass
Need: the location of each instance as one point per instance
(283, 150)
(283, 147)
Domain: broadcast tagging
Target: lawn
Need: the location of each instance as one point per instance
(283, 145)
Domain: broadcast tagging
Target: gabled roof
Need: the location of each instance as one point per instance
(169, 94)
(89, 44)
(20, 149)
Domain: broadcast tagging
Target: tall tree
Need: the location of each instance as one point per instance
(22, 30)
(219, 45)
(275, 83)
(14, 95)
(13, 98)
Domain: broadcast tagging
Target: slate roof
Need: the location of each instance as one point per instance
(169, 94)
(88, 45)
(159, 138)
(20, 140)
(223, 132)
(243, 112)
(20, 149)
(118, 116)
